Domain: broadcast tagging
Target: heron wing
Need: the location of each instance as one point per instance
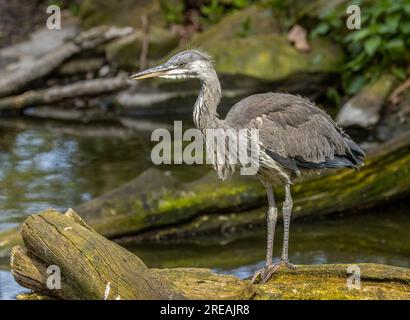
(295, 132)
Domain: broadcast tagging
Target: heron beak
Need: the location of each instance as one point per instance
(152, 72)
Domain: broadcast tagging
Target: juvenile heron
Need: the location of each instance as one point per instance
(295, 137)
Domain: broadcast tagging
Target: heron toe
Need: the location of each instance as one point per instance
(266, 273)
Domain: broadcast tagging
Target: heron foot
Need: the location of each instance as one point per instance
(266, 273)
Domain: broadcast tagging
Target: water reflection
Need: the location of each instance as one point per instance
(41, 168)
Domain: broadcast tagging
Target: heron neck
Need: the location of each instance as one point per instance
(205, 109)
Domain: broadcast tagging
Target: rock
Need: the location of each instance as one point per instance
(120, 13)
(125, 52)
(259, 51)
(364, 108)
(396, 118)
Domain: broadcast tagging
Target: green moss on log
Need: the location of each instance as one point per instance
(330, 282)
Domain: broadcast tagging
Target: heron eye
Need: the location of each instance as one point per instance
(182, 64)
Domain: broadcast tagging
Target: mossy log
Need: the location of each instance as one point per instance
(93, 267)
(156, 207)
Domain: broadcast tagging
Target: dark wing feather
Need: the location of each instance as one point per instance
(295, 132)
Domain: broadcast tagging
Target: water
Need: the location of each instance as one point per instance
(379, 237)
(50, 164)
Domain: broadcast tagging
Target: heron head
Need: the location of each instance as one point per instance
(186, 64)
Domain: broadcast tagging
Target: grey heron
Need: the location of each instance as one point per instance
(295, 137)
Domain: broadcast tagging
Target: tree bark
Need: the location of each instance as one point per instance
(93, 267)
(14, 80)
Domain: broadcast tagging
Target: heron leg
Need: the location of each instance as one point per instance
(270, 268)
(287, 210)
(271, 218)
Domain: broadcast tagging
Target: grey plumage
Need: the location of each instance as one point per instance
(295, 137)
(296, 133)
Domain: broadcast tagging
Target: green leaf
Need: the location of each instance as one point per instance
(371, 44)
(240, 3)
(321, 28)
(356, 63)
(405, 27)
(399, 73)
(406, 8)
(395, 44)
(392, 22)
(333, 94)
(359, 35)
(354, 85)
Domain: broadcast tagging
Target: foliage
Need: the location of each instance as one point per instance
(380, 44)
(174, 11)
(285, 11)
(216, 9)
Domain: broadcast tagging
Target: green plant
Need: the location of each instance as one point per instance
(174, 11)
(214, 11)
(379, 45)
(218, 8)
(285, 12)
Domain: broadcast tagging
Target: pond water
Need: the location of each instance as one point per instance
(53, 164)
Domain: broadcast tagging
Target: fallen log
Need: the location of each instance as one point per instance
(16, 79)
(155, 207)
(93, 267)
(57, 94)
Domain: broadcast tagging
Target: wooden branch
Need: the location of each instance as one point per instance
(395, 96)
(145, 42)
(16, 79)
(92, 267)
(56, 94)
